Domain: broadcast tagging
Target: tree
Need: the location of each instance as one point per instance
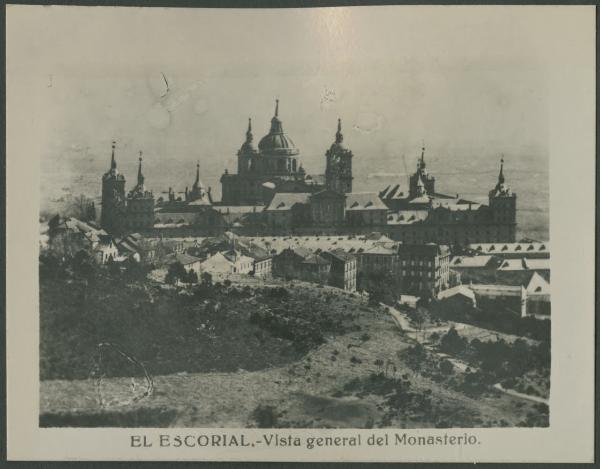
(176, 273)
(207, 279)
(83, 265)
(446, 367)
(452, 342)
(192, 277)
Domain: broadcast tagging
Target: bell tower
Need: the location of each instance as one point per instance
(113, 197)
(503, 206)
(338, 169)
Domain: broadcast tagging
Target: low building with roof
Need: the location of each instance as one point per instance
(286, 264)
(500, 298)
(190, 263)
(365, 209)
(343, 269)
(314, 268)
(68, 236)
(287, 211)
(240, 264)
(105, 249)
(538, 296)
(458, 298)
(379, 259)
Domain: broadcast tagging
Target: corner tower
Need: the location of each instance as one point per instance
(140, 205)
(113, 197)
(338, 169)
(503, 206)
(248, 154)
(427, 180)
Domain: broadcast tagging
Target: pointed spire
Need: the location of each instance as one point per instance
(197, 174)
(140, 177)
(113, 162)
(249, 135)
(501, 174)
(422, 160)
(276, 127)
(339, 137)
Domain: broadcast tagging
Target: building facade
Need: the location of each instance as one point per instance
(425, 268)
(343, 269)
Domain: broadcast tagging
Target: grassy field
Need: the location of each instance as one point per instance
(310, 357)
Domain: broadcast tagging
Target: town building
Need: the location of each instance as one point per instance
(379, 259)
(190, 263)
(501, 298)
(314, 268)
(425, 268)
(69, 236)
(240, 264)
(343, 269)
(135, 246)
(105, 250)
(286, 264)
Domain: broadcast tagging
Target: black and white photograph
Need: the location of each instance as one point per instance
(314, 218)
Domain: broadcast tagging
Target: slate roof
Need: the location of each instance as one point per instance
(407, 217)
(315, 259)
(340, 255)
(286, 200)
(511, 248)
(364, 201)
(183, 258)
(470, 261)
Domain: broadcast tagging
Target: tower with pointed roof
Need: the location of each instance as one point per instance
(140, 205)
(113, 197)
(338, 166)
(503, 203)
(421, 174)
(198, 194)
(248, 154)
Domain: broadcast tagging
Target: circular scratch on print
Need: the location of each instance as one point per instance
(367, 122)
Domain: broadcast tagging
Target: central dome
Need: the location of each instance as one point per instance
(276, 142)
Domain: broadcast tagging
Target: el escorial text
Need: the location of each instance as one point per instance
(280, 440)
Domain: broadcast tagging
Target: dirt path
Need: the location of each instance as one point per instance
(514, 393)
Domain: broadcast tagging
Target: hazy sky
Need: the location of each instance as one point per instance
(470, 81)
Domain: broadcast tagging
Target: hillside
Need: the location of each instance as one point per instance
(227, 356)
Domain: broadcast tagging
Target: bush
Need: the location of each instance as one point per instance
(446, 367)
(452, 343)
(265, 416)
